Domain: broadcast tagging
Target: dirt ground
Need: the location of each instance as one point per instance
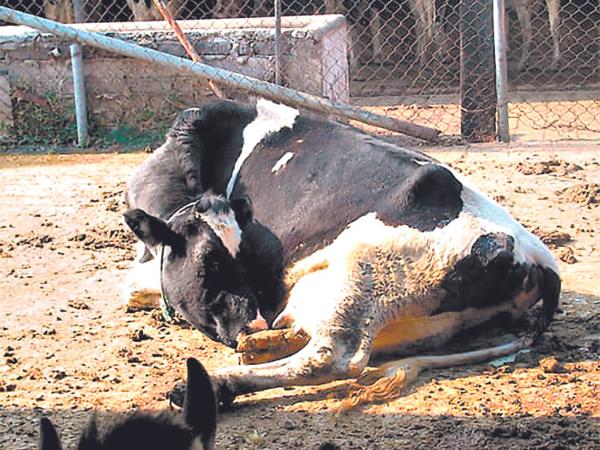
(69, 348)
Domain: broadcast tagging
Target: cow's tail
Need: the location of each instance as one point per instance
(388, 381)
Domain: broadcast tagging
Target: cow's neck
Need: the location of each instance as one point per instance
(270, 118)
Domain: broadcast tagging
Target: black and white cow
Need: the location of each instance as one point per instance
(190, 238)
(366, 246)
(148, 431)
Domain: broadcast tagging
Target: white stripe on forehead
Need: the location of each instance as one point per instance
(226, 227)
(271, 117)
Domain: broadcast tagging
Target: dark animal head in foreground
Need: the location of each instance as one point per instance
(195, 430)
(201, 275)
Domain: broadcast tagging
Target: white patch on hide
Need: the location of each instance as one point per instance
(271, 117)
(140, 251)
(324, 278)
(226, 227)
(495, 218)
(317, 295)
(141, 288)
(282, 161)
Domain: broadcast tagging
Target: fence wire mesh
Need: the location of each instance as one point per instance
(403, 58)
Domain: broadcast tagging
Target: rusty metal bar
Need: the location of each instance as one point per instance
(278, 42)
(185, 42)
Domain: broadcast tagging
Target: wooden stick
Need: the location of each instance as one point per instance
(187, 45)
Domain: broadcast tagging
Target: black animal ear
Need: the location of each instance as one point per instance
(149, 229)
(48, 439)
(242, 207)
(200, 404)
(89, 438)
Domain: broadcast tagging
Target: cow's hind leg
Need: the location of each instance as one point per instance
(554, 19)
(388, 381)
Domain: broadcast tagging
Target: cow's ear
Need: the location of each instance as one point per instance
(149, 229)
(243, 211)
(48, 439)
(200, 404)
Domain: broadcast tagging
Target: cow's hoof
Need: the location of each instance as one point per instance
(142, 301)
(271, 345)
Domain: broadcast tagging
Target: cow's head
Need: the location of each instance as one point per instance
(201, 274)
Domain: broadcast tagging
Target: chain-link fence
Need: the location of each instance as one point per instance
(403, 59)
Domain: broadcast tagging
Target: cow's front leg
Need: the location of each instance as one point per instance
(340, 354)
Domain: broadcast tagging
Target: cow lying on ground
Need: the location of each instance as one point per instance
(149, 431)
(370, 247)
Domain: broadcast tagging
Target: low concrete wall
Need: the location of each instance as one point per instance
(122, 90)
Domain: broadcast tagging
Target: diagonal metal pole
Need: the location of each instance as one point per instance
(185, 42)
(263, 88)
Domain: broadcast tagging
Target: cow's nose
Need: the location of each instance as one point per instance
(258, 324)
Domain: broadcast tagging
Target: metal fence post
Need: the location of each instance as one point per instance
(477, 87)
(501, 69)
(278, 42)
(79, 80)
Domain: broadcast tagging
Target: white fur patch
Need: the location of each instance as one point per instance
(227, 228)
(271, 117)
(528, 248)
(282, 161)
(141, 288)
(425, 256)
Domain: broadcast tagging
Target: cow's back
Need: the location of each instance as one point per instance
(309, 183)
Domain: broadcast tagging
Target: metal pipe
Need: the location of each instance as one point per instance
(79, 89)
(501, 69)
(278, 42)
(79, 80)
(267, 90)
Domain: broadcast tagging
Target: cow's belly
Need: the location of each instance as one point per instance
(388, 273)
(415, 335)
(411, 290)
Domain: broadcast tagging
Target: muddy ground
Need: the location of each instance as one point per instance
(69, 348)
